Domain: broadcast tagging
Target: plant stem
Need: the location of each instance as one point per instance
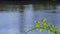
(29, 30)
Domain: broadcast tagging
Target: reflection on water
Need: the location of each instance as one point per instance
(14, 22)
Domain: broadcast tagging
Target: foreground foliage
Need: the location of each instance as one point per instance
(45, 26)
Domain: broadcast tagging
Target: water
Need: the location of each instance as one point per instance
(15, 22)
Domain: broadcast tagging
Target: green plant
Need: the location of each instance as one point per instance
(45, 26)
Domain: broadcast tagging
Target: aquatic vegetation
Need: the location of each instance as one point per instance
(51, 28)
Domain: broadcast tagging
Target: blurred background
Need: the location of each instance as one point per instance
(16, 17)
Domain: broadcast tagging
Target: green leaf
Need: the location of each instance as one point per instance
(41, 30)
(53, 33)
(45, 28)
(43, 20)
(37, 24)
(59, 31)
(48, 31)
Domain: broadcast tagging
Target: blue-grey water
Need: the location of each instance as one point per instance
(14, 22)
(9, 23)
